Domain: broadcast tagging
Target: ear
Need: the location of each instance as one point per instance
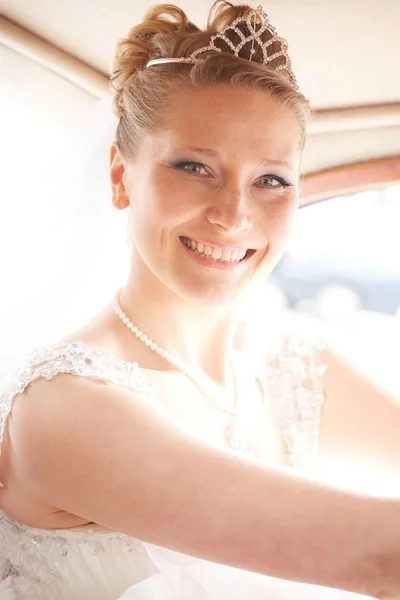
(117, 169)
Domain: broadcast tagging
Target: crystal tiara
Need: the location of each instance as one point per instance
(253, 37)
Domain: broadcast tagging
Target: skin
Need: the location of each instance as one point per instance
(233, 199)
(193, 311)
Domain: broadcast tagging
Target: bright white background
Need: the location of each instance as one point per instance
(63, 247)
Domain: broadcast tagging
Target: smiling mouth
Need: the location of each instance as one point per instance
(215, 254)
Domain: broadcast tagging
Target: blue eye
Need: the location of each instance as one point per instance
(190, 166)
(281, 182)
(197, 168)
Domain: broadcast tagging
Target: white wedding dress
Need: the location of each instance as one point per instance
(85, 564)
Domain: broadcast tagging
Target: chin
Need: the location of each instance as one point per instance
(217, 296)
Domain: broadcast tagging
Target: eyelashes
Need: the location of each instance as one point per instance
(283, 182)
(181, 164)
(194, 167)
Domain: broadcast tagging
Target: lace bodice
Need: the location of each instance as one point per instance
(81, 564)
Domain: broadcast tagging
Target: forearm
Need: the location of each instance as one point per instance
(312, 533)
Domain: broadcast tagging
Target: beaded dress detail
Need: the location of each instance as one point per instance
(68, 564)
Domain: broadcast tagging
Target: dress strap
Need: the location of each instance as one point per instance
(76, 358)
(292, 379)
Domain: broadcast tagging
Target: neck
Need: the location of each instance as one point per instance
(204, 337)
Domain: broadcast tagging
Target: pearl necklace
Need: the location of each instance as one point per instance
(175, 361)
(239, 435)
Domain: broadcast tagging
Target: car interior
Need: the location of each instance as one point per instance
(341, 269)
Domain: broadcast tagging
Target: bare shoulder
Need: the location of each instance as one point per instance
(41, 415)
(71, 433)
(65, 409)
(18, 498)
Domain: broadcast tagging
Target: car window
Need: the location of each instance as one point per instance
(341, 269)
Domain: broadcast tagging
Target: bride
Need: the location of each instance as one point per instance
(157, 452)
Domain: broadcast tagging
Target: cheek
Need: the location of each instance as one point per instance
(280, 218)
(159, 207)
(155, 206)
(170, 199)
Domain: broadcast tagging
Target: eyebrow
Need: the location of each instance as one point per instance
(214, 153)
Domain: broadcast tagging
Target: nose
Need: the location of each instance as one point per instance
(231, 210)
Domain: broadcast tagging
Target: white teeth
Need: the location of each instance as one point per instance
(216, 254)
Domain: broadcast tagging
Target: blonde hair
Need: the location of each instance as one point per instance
(165, 31)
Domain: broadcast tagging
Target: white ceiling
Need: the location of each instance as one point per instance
(344, 52)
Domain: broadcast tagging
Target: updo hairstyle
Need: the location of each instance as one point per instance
(140, 93)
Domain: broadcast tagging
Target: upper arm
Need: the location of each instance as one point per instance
(360, 420)
(98, 451)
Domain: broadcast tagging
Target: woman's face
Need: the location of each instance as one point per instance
(220, 177)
